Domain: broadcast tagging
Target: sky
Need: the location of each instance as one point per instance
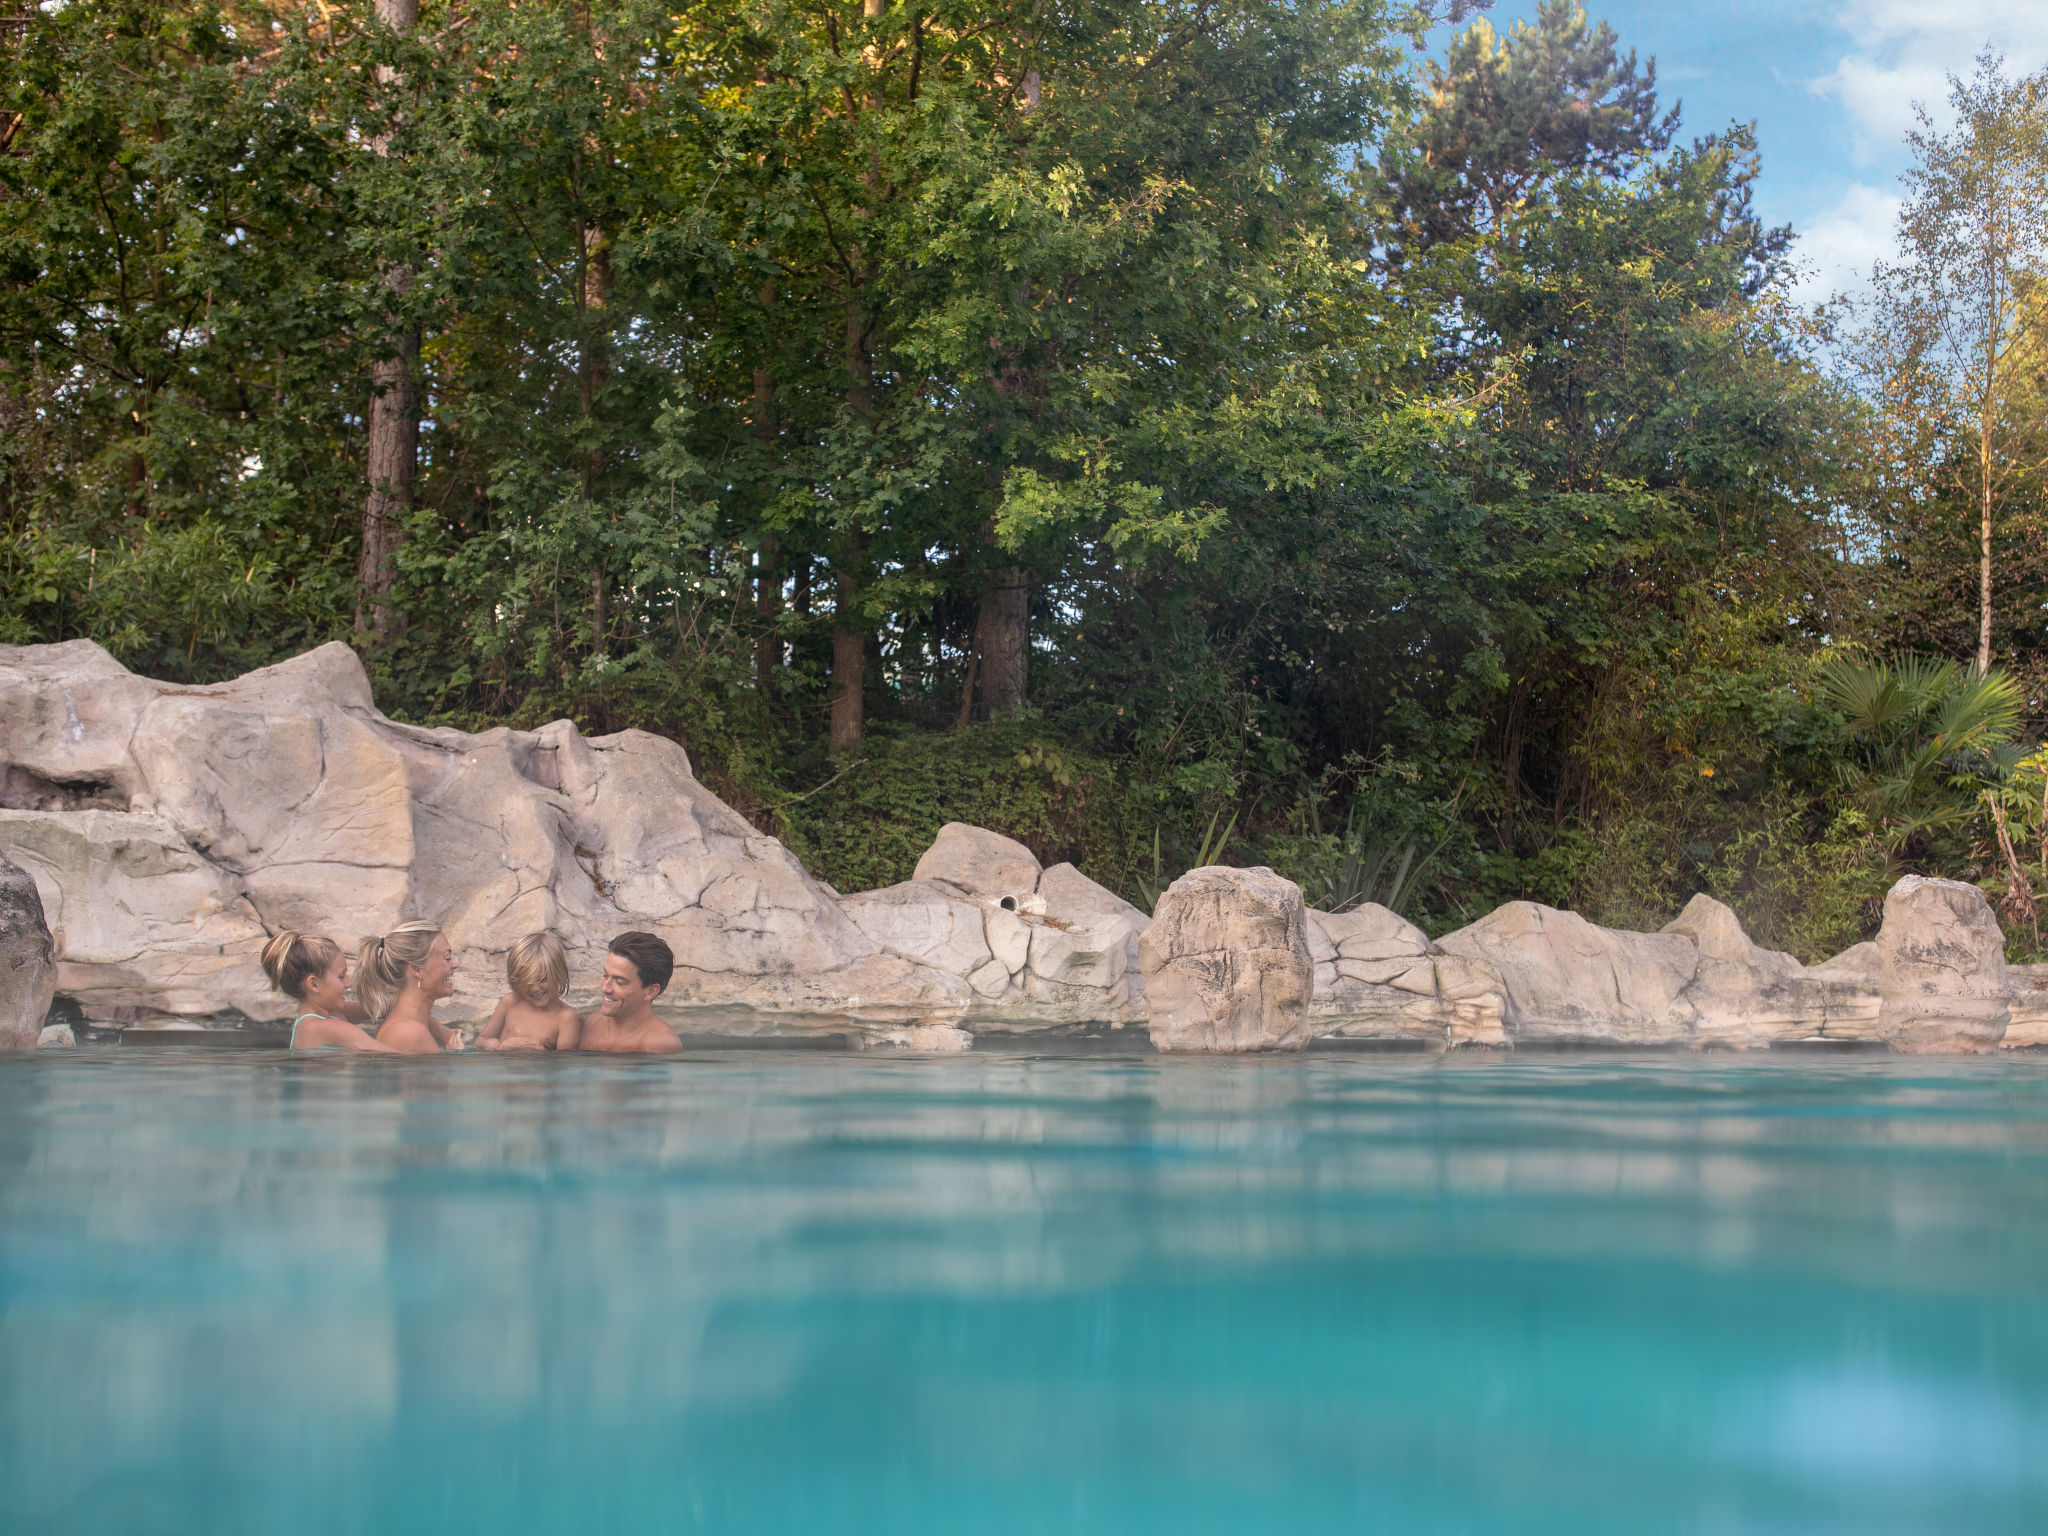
(1831, 86)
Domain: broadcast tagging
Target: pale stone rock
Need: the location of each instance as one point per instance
(139, 920)
(926, 1039)
(1941, 968)
(991, 981)
(1082, 953)
(1848, 987)
(284, 799)
(980, 862)
(56, 1037)
(1226, 963)
(2027, 1002)
(1743, 996)
(1072, 895)
(1371, 932)
(1008, 937)
(1382, 979)
(1322, 950)
(1566, 979)
(1419, 978)
(1473, 1000)
(927, 920)
(1376, 972)
(67, 713)
(28, 960)
(1088, 937)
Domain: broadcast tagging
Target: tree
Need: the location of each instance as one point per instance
(394, 429)
(1506, 115)
(1954, 349)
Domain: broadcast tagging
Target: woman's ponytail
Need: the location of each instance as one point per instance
(381, 964)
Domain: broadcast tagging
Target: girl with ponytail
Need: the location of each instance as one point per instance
(314, 972)
(399, 978)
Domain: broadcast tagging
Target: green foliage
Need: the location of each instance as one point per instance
(1442, 455)
(1154, 877)
(867, 825)
(1923, 739)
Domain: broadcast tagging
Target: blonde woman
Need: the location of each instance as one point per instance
(399, 978)
(532, 1016)
(313, 972)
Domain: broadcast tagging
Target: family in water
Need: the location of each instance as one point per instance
(400, 977)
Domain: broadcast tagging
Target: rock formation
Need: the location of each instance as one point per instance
(1377, 976)
(1227, 963)
(1033, 945)
(1941, 969)
(168, 830)
(28, 962)
(171, 828)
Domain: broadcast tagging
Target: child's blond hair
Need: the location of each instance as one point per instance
(537, 960)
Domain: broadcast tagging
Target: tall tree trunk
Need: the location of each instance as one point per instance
(593, 368)
(767, 569)
(1984, 586)
(767, 607)
(1002, 640)
(849, 635)
(394, 417)
(849, 671)
(393, 459)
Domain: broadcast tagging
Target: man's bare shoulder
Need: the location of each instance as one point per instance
(652, 1038)
(657, 1038)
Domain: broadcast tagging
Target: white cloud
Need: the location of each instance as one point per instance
(1837, 246)
(1902, 52)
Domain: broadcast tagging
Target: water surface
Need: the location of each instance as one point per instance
(241, 1292)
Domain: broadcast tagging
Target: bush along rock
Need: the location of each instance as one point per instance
(28, 961)
(1227, 964)
(159, 834)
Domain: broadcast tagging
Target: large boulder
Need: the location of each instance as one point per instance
(1378, 976)
(1941, 968)
(980, 862)
(1226, 963)
(28, 961)
(141, 923)
(2028, 1004)
(170, 828)
(1566, 980)
(1033, 946)
(1847, 987)
(926, 920)
(1743, 995)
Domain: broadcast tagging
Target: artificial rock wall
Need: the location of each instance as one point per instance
(169, 829)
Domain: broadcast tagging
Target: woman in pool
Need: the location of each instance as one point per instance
(399, 978)
(313, 972)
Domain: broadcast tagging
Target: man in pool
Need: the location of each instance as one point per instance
(636, 972)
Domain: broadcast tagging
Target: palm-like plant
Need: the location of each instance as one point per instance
(1925, 737)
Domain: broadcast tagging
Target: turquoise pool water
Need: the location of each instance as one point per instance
(758, 1292)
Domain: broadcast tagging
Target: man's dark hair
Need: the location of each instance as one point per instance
(653, 961)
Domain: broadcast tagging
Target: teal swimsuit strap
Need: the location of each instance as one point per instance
(309, 1014)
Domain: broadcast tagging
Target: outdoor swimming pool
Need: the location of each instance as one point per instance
(809, 1293)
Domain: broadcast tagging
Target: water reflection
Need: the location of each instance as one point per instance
(764, 1292)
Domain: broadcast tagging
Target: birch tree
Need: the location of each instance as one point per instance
(1959, 363)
